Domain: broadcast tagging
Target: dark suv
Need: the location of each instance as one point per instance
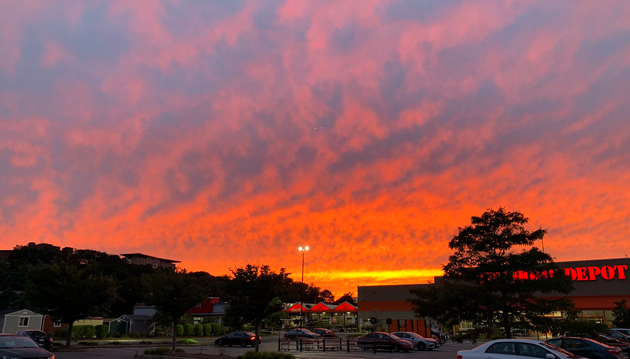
(41, 338)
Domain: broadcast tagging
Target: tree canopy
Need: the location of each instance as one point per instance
(173, 293)
(495, 277)
(254, 294)
(68, 292)
(621, 313)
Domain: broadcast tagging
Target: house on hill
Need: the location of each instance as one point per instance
(144, 259)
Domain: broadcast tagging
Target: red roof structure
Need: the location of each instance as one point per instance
(324, 308)
(346, 307)
(295, 308)
(320, 308)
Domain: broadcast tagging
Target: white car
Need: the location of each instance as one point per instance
(515, 349)
(418, 341)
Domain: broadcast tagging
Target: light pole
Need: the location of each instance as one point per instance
(303, 250)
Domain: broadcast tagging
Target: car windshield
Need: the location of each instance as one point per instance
(17, 342)
(558, 350)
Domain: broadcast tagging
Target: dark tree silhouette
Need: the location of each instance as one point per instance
(68, 292)
(621, 314)
(495, 276)
(173, 293)
(254, 294)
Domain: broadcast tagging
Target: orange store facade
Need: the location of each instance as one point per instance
(598, 285)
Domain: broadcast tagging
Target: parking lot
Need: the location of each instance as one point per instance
(447, 351)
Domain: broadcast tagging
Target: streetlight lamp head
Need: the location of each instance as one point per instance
(302, 249)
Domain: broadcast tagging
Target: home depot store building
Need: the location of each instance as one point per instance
(598, 285)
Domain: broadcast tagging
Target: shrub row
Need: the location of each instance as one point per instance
(199, 330)
(78, 332)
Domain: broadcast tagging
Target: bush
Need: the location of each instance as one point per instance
(101, 331)
(131, 335)
(266, 355)
(115, 334)
(198, 329)
(188, 330)
(217, 329)
(187, 341)
(78, 332)
(180, 330)
(207, 329)
(83, 332)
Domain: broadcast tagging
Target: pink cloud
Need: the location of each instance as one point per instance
(226, 133)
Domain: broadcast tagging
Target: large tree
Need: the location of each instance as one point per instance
(621, 313)
(173, 293)
(254, 294)
(496, 276)
(68, 292)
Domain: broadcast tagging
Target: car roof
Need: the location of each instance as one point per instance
(585, 339)
(517, 340)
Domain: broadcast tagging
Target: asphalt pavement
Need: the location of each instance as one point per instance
(447, 351)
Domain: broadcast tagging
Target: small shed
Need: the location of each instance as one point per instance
(12, 321)
(141, 324)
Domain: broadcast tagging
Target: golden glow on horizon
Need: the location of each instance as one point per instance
(403, 274)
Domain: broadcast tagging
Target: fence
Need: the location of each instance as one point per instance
(320, 344)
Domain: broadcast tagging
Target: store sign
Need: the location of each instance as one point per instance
(580, 273)
(594, 273)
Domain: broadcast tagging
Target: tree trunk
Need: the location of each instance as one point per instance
(257, 329)
(174, 335)
(506, 324)
(69, 337)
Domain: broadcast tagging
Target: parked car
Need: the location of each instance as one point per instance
(587, 348)
(418, 341)
(324, 333)
(238, 338)
(300, 333)
(510, 348)
(623, 344)
(619, 335)
(21, 346)
(622, 331)
(44, 340)
(385, 341)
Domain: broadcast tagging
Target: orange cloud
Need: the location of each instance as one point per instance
(227, 133)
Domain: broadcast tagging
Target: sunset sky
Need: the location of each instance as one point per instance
(222, 133)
